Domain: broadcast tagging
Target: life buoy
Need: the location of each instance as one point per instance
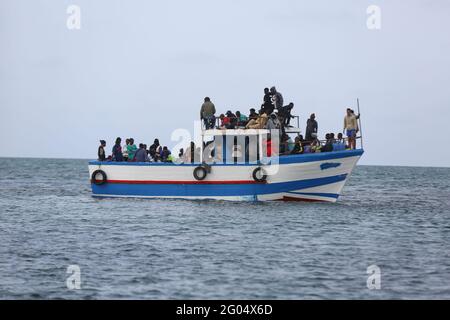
(262, 178)
(200, 173)
(94, 177)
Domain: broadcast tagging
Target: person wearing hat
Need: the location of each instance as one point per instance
(101, 151)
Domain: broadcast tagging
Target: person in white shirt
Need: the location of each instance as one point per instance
(125, 150)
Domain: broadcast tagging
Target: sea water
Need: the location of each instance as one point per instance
(56, 241)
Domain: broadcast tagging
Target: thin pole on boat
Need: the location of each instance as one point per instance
(360, 127)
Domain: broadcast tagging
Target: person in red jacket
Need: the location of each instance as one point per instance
(224, 121)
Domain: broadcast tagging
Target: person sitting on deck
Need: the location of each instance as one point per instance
(252, 115)
(298, 145)
(224, 121)
(101, 151)
(207, 113)
(242, 119)
(233, 120)
(117, 151)
(284, 144)
(141, 154)
(328, 147)
(166, 155)
(131, 147)
(155, 150)
(125, 150)
(316, 146)
(338, 144)
(259, 123)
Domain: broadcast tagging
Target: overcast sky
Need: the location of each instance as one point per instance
(142, 68)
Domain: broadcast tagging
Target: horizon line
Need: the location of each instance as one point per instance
(360, 165)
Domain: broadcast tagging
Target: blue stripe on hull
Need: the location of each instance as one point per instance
(201, 190)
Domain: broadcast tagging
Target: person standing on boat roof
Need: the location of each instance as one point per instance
(101, 151)
(207, 113)
(351, 127)
(277, 98)
(267, 105)
(117, 151)
(285, 114)
(311, 129)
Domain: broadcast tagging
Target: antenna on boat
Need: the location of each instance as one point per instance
(360, 127)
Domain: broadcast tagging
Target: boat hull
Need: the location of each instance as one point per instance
(309, 177)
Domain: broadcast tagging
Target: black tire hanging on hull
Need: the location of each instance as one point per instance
(200, 173)
(262, 178)
(96, 181)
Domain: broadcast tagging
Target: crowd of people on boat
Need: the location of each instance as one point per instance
(272, 116)
(129, 152)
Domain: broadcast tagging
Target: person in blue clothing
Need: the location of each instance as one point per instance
(338, 144)
(141, 154)
(117, 151)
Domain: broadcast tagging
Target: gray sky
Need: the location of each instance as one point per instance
(142, 68)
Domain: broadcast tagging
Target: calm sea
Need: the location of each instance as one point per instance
(396, 218)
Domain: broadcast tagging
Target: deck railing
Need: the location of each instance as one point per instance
(217, 123)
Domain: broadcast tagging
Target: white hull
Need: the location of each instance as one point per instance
(311, 177)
